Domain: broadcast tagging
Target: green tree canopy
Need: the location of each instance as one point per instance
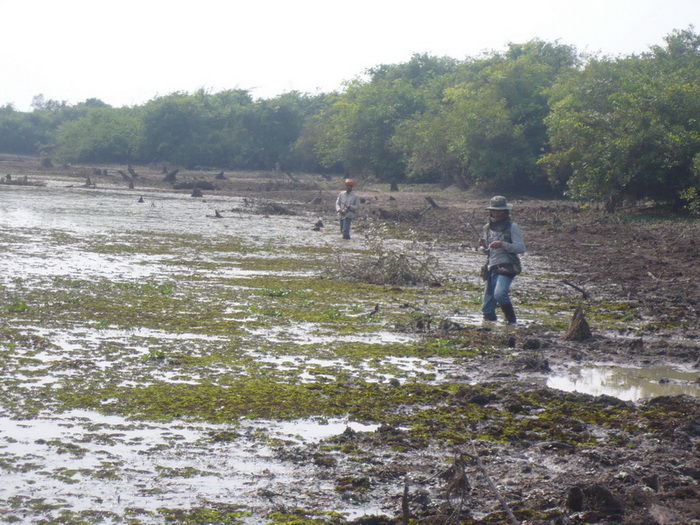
(102, 135)
(488, 127)
(630, 127)
(356, 131)
(531, 118)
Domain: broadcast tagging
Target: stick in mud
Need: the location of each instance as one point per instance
(476, 459)
(580, 289)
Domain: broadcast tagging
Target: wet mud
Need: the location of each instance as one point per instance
(169, 358)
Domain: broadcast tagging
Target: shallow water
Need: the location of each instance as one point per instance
(86, 461)
(150, 465)
(83, 460)
(627, 383)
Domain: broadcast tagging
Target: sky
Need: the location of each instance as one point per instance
(128, 52)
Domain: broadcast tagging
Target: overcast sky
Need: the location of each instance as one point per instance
(127, 52)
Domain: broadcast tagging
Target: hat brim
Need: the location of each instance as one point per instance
(506, 207)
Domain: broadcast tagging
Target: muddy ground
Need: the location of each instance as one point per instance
(645, 470)
(642, 255)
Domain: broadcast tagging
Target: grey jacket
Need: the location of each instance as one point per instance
(500, 255)
(348, 202)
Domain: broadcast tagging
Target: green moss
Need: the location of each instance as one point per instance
(304, 517)
(220, 513)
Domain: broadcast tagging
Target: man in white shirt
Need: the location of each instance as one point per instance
(347, 205)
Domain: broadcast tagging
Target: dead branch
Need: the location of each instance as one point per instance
(458, 484)
(584, 293)
(477, 460)
(432, 203)
(404, 505)
(291, 177)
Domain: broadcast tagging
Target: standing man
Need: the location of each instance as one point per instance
(502, 240)
(346, 205)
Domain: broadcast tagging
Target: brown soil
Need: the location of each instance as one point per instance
(636, 255)
(643, 256)
(639, 255)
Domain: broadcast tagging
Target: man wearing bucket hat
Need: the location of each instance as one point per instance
(502, 240)
(347, 205)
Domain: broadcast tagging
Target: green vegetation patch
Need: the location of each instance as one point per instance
(220, 513)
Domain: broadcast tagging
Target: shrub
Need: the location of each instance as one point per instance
(405, 264)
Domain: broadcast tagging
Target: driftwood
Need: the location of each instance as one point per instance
(476, 459)
(578, 328)
(291, 177)
(579, 288)
(272, 208)
(432, 206)
(459, 483)
(405, 511)
(432, 203)
(319, 199)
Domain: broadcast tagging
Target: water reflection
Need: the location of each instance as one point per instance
(184, 461)
(627, 383)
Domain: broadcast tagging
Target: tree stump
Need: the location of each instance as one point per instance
(433, 204)
(578, 328)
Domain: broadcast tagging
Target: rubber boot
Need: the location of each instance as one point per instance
(509, 313)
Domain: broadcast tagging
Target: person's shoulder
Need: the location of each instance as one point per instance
(514, 227)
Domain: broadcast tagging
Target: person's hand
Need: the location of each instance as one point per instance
(496, 244)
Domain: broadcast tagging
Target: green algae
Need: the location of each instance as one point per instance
(223, 378)
(220, 513)
(304, 517)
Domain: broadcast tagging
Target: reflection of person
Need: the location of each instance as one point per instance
(346, 205)
(502, 239)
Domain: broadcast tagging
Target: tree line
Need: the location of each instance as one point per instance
(537, 117)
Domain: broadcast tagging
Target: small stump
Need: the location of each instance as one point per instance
(578, 328)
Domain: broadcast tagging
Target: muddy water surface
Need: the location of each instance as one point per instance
(105, 295)
(79, 461)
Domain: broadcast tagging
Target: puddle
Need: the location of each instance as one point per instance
(37, 215)
(627, 383)
(151, 465)
(83, 461)
(311, 369)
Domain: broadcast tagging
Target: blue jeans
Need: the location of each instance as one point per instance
(496, 291)
(345, 226)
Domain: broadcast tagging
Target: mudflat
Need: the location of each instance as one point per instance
(221, 359)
